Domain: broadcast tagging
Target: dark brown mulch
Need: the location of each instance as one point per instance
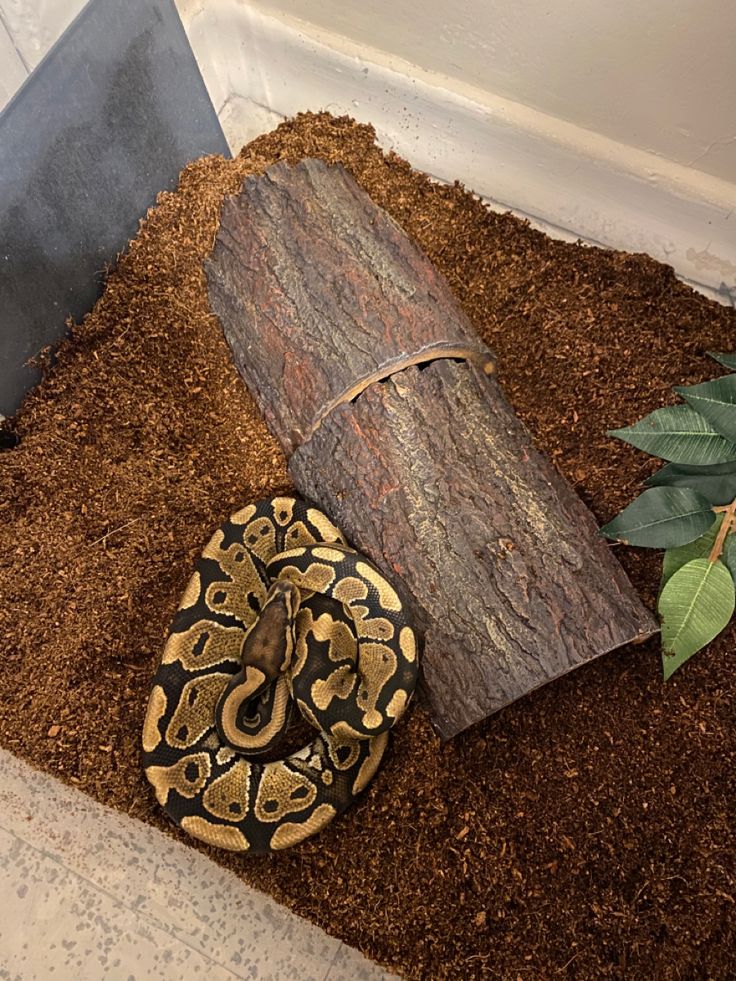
(587, 831)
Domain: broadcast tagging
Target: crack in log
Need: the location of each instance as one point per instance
(437, 352)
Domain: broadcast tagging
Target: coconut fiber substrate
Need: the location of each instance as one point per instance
(588, 830)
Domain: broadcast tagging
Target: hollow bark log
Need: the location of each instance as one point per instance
(428, 471)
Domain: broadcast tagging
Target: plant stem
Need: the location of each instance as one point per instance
(729, 517)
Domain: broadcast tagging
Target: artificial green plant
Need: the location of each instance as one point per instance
(689, 509)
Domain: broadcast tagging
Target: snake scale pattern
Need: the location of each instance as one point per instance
(279, 613)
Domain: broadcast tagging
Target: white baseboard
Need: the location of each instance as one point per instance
(571, 182)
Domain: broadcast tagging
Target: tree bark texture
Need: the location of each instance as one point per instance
(436, 478)
(331, 293)
(329, 309)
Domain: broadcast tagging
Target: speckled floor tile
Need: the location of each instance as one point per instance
(89, 893)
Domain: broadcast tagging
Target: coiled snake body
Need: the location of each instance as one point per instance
(279, 612)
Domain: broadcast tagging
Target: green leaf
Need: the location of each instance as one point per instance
(662, 517)
(717, 483)
(715, 401)
(695, 605)
(679, 434)
(727, 360)
(676, 558)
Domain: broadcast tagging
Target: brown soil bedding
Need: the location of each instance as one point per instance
(587, 831)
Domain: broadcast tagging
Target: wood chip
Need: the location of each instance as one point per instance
(122, 434)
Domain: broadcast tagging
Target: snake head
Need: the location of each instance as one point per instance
(270, 641)
(284, 597)
(248, 701)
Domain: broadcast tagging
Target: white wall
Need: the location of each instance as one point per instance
(609, 120)
(655, 74)
(659, 75)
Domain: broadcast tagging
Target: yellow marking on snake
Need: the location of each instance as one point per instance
(388, 595)
(243, 516)
(298, 535)
(343, 752)
(282, 791)
(339, 685)
(371, 627)
(377, 665)
(236, 561)
(157, 704)
(227, 796)
(408, 644)
(187, 776)
(254, 678)
(328, 554)
(371, 763)
(326, 529)
(289, 833)
(254, 740)
(204, 645)
(234, 598)
(349, 590)
(225, 754)
(316, 577)
(344, 732)
(195, 711)
(342, 640)
(397, 704)
(260, 537)
(215, 834)
(191, 593)
(283, 510)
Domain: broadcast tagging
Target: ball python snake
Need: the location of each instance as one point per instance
(280, 612)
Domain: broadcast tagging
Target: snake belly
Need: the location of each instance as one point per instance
(280, 612)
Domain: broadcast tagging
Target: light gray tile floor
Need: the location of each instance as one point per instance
(87, 893)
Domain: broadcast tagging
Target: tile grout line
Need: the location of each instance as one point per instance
(119, 902)
(171, 932)
(11, 35)
(332, 962)
(17, 801)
